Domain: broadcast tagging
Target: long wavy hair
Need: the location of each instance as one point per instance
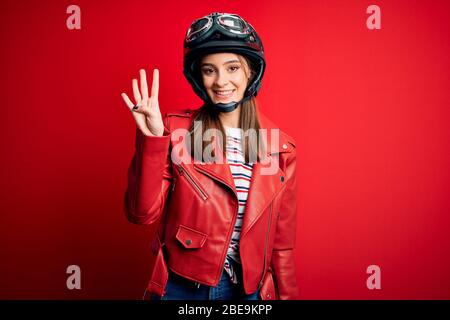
(253, 145)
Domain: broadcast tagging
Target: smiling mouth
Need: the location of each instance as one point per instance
(224, 93)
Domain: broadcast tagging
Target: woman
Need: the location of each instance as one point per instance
(221, 189)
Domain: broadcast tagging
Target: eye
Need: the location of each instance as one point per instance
(207, 71)
(234, 68)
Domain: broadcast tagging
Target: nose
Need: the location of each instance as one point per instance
(221, 79)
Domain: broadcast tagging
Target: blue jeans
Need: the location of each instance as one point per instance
(180, 288)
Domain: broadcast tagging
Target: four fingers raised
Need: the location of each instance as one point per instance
(143, 93)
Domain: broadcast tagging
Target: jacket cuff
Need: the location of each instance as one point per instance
(149, 145)
(285, 275)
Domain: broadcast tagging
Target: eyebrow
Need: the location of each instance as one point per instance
(210, 64)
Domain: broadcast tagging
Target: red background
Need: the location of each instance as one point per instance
(368, 109)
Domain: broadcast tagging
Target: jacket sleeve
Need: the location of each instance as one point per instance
(149, 177)
(283, 262)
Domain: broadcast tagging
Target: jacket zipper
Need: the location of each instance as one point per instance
(230, 234)
(192, 182)
(174, 184)
(265, 247)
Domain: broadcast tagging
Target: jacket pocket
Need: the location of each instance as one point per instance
(268, 290)
(190, 238)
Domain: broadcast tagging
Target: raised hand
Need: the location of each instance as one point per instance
(146, 111)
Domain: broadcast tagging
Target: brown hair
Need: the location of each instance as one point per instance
(248, 120)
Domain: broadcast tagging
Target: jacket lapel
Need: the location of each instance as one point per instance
(266, 179)
(263, 188)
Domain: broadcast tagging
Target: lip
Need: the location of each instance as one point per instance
(222, 96)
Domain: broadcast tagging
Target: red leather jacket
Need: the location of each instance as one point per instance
(196, 205)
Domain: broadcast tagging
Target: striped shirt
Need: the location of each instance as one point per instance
(242, 174)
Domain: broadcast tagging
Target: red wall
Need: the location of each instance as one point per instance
(368, 109)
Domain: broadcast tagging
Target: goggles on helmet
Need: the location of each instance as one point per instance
(228, 24)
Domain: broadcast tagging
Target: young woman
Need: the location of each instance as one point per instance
(220, 180)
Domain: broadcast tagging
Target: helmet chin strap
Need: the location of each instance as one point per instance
(226, 107)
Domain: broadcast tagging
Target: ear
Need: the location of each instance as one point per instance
(252, 74)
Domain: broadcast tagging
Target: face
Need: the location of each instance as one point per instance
(225, 76)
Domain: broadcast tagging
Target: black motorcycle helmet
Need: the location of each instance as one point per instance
(222, 32)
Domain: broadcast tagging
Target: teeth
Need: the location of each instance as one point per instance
(224, 92)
